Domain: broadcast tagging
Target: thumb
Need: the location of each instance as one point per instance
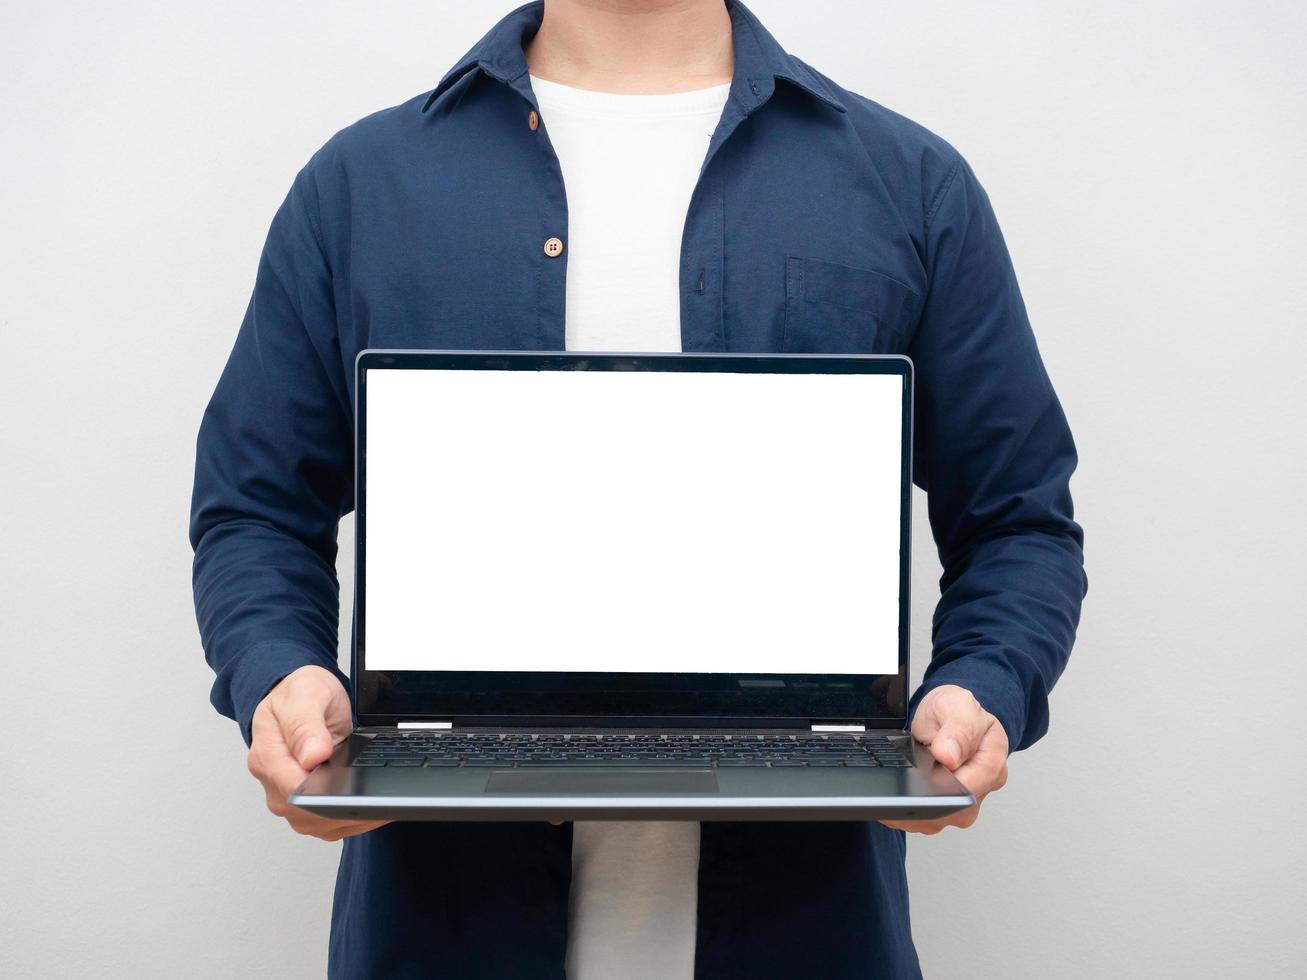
(304, 727)
(958, 738)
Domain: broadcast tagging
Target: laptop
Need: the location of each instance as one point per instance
(631, 586)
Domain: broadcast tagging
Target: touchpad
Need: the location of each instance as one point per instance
(593, 781)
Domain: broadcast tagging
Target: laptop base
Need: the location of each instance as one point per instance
(340, 790)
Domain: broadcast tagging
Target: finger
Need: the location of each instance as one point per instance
(302, 719)
(304, 822)
(356, 829)
(927, 827)
(963, 818)
(323, 828)
(332, 830)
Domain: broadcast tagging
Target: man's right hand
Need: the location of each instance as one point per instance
(294, 729)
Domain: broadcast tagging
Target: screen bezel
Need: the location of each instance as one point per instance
(576, 699)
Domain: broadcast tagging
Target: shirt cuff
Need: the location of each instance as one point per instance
(249, 676)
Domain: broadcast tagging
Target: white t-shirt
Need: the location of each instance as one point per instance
(630, 164)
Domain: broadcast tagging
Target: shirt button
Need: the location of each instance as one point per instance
(533, 120)
(553, 247)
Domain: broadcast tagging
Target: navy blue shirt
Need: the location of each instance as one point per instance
(821, 221)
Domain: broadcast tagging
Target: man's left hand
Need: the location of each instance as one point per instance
(968, 740)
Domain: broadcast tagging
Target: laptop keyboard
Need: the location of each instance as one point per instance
(655, 750)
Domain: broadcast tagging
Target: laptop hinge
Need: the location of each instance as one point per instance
(425, 724)
(838, 728)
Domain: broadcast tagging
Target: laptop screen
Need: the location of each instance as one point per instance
(600, 522)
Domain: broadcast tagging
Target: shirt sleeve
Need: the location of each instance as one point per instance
(993, 451)
(273, 476)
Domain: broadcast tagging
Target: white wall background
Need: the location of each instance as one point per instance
(1147, 162)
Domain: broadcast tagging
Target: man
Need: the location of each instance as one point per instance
(720, 195)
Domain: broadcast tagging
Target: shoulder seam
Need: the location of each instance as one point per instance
(314, 224)
(942, 192)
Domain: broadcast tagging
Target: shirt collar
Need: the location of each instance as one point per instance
(759, 60)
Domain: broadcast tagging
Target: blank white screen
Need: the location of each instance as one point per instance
(632, 521)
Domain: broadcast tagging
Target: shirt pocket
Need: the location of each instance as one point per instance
(837, 309)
